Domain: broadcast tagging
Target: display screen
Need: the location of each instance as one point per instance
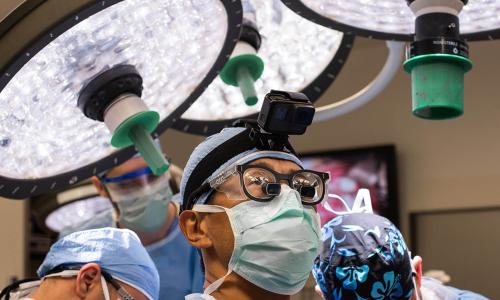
(372, 168)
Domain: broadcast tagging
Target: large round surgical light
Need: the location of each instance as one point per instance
(393, 19)
(76, 213)
(52, 49)
(55, 212)
(298, 55)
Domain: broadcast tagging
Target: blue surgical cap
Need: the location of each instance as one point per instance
(364, 256)
(215, 141)
(117, 251)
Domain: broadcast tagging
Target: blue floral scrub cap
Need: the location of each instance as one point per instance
(364, 256)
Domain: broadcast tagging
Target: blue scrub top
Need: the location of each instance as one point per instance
(178, 264)
(434, 289)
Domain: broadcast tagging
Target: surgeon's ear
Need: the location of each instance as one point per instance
(99, 186)
(88, 278)
(417, 264)
(319, 292)
(194, 229)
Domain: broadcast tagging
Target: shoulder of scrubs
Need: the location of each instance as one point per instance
(434, 289)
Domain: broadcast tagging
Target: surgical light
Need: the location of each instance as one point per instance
(438, 57)
(297, 55)
(51, 50)
(54, 212)
(76, 213)
(394, 19)
(245, 66)
(437, 60)
(113, 97)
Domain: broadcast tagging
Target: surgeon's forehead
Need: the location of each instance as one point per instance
(130, 165)
(279, 165)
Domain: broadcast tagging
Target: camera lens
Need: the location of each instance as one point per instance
(304, 115)
(281, 112)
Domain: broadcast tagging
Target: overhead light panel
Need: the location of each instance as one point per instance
(297, 55)
(393, 19)
(50, 51)
(70, 208)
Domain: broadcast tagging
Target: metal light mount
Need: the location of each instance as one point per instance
(437, 60)
(245, 66)
(113, 97)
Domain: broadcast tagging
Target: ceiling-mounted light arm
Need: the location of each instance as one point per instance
(369, 92)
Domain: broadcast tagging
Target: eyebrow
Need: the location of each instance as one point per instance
(269, 166)
(262, 164)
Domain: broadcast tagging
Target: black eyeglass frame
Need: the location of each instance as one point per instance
(280, 177)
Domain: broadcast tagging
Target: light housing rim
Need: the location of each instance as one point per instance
(304, 11)
(15, 188)
(44, 205)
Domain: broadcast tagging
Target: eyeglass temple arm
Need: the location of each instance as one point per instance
(121, 291)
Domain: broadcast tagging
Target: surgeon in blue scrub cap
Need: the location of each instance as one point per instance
(144, 203)
(105, 263)
(248, 207)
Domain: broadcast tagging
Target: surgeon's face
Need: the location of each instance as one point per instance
(131, 165)
(218, 226)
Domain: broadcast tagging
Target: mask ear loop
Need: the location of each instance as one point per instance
(363, 196)
(105, 289)
(328, 207)
(414, 277)
(216, 284)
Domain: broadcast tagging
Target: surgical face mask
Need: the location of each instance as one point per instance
(145, 209)
(275, 243)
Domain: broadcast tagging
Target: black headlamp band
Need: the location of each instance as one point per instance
(212, 161)
(248, 139)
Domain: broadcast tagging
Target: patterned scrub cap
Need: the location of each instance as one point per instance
(364, 256)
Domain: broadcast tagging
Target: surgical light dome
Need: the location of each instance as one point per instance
(297, 55)
(50, 49)
(393, 19)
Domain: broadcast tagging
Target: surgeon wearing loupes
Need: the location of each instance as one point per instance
(143, 203)
(248, 205)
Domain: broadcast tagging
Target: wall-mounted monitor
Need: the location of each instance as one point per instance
(373, 168)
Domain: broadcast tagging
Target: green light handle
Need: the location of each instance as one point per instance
(247, 85)
(147, 148)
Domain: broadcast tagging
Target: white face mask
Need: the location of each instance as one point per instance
(275, 243)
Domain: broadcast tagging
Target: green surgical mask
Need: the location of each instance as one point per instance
(275, 243)
(145, 210)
